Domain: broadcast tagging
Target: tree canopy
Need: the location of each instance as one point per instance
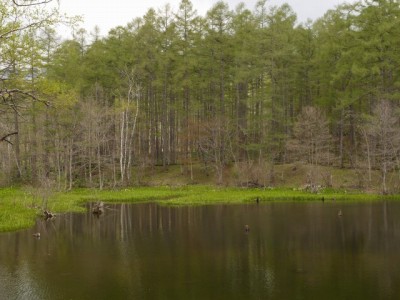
(233, 86)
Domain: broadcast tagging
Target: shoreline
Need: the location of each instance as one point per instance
(20, 207)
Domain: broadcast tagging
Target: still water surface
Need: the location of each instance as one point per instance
(146, 251)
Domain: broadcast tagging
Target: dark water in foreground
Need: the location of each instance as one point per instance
(293, 251)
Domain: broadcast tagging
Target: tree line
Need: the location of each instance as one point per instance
(249, 88)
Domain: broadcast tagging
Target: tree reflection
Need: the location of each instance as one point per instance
(156, 252)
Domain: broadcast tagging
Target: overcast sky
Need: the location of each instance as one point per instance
(108, 14)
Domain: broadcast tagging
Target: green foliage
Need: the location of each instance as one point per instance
(174, 87)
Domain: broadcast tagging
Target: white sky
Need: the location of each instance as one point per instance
(108, 14)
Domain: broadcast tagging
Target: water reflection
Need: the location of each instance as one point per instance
(146, 251)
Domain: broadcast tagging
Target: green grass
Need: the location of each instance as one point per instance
(196, 195)
(20, 207)
(14, 213)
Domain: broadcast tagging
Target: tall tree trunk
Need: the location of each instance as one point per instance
(70, 162)
(17, 145)
(99, 167)
(341, 137)
(34, 147)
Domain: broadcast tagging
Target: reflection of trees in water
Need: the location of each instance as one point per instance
(152, 251)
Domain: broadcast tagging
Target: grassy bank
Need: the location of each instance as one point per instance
(19, 207)
(14, 213)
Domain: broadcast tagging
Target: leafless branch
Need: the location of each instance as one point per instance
(31, 2)
(5, 94)
(21, 28)
(4, 138)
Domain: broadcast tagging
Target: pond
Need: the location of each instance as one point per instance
(146, 251)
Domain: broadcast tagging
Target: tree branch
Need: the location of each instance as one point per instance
(4, 138)
(5, 93)
(6, 34)
(31, 2)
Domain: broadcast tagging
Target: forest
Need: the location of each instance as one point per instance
(240, 90)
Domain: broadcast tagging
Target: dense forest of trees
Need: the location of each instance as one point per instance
(236, 87)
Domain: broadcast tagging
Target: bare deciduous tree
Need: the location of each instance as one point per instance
(129, 112)
(383, 137)
(311, 138)
(311, 141)
(212, 139)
